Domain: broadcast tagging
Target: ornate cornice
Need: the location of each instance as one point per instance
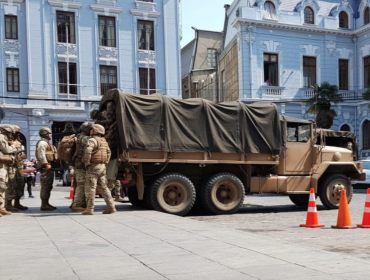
(106, 9)
(145, 13)
(65, 4)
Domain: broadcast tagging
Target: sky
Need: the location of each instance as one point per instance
(202, 14)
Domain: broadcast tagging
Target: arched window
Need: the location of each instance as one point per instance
(366, 135)
(343, 20)
(366, 71)
(270, 11)
(308, 15)
(345, 127)
(366, 15)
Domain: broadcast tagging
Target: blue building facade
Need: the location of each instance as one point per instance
(287, 46)
(58, 57)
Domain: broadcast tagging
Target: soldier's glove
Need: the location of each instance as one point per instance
(48, 167)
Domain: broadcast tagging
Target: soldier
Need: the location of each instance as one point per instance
(15, 177)
(79, 199)
(46, 154)
(6, 157)
(96, 156)
(116, 185)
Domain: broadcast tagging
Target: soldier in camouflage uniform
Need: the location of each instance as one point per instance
(15, 177)
(6, 157)
(46, 154)
(96, 156)
(79, 199)
(116, 185)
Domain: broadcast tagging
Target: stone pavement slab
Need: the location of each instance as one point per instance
(139, 244)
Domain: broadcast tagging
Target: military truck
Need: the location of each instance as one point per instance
(178, 153)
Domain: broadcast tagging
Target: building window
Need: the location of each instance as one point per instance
(345, 127)
(343, 20)
(309, 71)
(144, 77)
(12, 79)
(108, 78)
(270, 69)
(366, 134)
(146, 35)
(343, 74)
(11, 27)
(107, 31)
(367, 71)
(308, 15)
(366, 15)
(211, 57)
(66, 26)
(270, 11)
(65, 86)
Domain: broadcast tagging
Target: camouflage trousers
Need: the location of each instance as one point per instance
(96, 177)
(46, 182)
(3, 182)
(79, 198)
(15, 184)
(116, 185)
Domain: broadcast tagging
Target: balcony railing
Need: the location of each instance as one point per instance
(348, 94)
(271, 91)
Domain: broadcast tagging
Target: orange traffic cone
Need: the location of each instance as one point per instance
(344, 216)
(312, 220)
(72, 192)
(366, 218)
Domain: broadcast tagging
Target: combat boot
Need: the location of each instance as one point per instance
(119, 199)
(4, 212)
(88, 212)
(109, 210)
(77, 209)
(47, 202)
(45, 206)
(10, 207)
(18, 205)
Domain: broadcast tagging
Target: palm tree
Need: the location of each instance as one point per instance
(320, 104)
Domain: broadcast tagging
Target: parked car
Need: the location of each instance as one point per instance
(366, 183)
(67, 176)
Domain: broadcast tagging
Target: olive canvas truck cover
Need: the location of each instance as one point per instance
(160, 123)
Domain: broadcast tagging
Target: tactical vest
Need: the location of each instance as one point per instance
(50, 153)
(7, 158)
(100, 154)
(80, 147)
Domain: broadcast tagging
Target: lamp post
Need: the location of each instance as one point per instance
(149, 32)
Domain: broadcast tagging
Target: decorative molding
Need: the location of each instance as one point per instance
(11, 62)
(271, 46)
(144, 13)
(365, 50)
(331, 46)
(346, 116)
(105, 2)
(106, 9)
(65, 4)
(150, 6)
(344, 53)
(67, 114)
(38, 112)
(10, 2)
(62, 50)
(11, 46)
(145, 57)
(310, 49)
(250, 37)
(108, 54)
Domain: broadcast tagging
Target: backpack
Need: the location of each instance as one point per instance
(66, 148)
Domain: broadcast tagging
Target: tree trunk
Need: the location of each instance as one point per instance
(324, 119)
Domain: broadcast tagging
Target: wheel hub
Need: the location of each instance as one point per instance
(223, 193)
(338, 188)
(172, 195)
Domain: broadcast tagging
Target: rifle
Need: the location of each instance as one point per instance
(43, 169)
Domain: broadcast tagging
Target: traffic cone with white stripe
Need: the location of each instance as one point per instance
(312, 220)
(366, 218)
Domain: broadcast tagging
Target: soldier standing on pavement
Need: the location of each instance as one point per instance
(79, 199)
(116, 185)
(15, 177)
(6, 156)
(46, 154)
(96, 156)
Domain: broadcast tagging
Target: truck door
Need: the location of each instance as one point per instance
(298, 154)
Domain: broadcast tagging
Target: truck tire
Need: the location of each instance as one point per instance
(330, 189)
(301, 200)
(133, 197)
(172, 193)
(222, 194)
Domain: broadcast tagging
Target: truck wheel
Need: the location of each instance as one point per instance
(172, 193)
(300, 200)
(223, 194)
(133, 197)
(330, 189)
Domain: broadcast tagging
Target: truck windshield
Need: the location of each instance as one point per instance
(298, 132)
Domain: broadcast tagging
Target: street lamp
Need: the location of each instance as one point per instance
(149, 32)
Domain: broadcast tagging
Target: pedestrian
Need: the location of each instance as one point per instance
(29, 167)
(95, 158)
(46, 154)
(79, 198)
(7, 150)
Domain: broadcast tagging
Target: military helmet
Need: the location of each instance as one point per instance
(44, 131)
(99, 128)
(16, 128)
(94, 114)
(86, 126)
(7, 127)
